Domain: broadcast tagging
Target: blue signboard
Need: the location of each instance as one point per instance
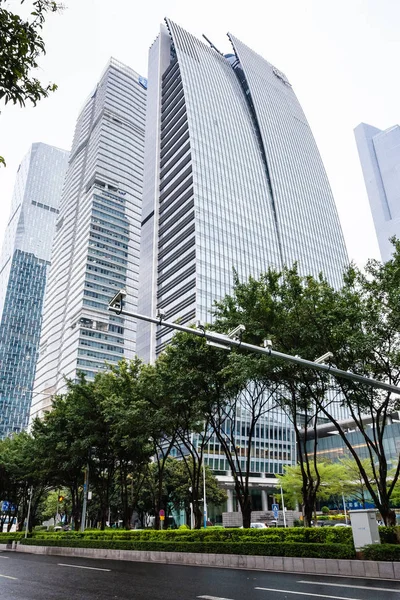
(12, 507)
(5, 506)
(275, 510)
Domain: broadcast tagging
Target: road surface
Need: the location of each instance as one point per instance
(35, 577)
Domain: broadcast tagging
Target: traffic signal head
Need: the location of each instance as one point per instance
(60, 498)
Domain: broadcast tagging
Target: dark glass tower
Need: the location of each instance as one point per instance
(24, 267)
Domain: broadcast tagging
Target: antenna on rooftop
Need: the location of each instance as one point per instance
(211, 44)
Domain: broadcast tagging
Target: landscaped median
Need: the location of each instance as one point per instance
(319, 543)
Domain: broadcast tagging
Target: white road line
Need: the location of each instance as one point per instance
(82, 567)
(304, 594)
(212, 598)
(358, 587)
(4, 556)
(8, 577)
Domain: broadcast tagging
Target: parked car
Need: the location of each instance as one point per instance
(258, 526)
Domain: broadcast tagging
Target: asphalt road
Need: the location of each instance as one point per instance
(34, 577)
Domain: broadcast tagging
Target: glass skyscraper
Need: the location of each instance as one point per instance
(96, 246)
(24, 265)
(379, 153)
(233, 180)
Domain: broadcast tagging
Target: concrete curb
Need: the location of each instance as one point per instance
(321, 566)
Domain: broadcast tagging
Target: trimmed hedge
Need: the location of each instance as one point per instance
(389, 535)
(7, 538)
(385, 552)
(314, 550)
(328, 535)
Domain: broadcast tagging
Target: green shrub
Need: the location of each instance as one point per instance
(320, 535)
(4, 537)
(184, 527)
(325, 510)
(386, 552)
(244, 548)
(389, 535)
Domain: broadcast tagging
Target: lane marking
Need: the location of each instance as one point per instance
(304, 594)
(212, 598)
(359, 587)
(82, 567)
(8, 577)
(4, 556)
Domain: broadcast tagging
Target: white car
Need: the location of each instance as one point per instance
(258, 526)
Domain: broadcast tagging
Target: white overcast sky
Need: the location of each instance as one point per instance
(341, 57)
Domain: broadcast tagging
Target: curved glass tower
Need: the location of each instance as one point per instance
(233, 180)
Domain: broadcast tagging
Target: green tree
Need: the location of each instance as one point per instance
(182, 495)
(62, 453)
(222, 386)
(22, 468)
(360, 325)
(354, 481)
(119, 394)
(331, 483)
(289, 310)
(21, 46)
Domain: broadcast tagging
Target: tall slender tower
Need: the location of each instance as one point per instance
(24, 266)
(379, 153)
(96, 247)
(233, 180)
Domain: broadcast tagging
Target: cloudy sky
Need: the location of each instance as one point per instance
(340, 55)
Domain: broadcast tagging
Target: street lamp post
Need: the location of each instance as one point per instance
(283, 508)
(224, 341)
(204, 495)
(29, 511)
(85, 498)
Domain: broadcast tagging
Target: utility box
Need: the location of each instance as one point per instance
(364, 527)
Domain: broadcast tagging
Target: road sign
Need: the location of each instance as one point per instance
(5, 506)
(162, 513)
(12, 507)
(275, 510)
(162, 518)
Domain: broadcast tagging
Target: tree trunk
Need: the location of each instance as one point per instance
(388, 515)
(308, 513)
(245, 506)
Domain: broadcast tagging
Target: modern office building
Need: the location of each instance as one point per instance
(24, 266)
(96, 246)
(233, 180)
(379, 153)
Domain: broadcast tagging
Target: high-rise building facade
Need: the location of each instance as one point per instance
(379, 153)
(233, 180)
(24, 266)
(96, 246)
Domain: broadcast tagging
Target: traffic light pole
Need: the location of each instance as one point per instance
(58, 499)
(226, 342)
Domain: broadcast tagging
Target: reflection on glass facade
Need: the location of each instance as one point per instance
(379, 153)
(233, 180)
(332, 448)
(96, 246)
(24, 266)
